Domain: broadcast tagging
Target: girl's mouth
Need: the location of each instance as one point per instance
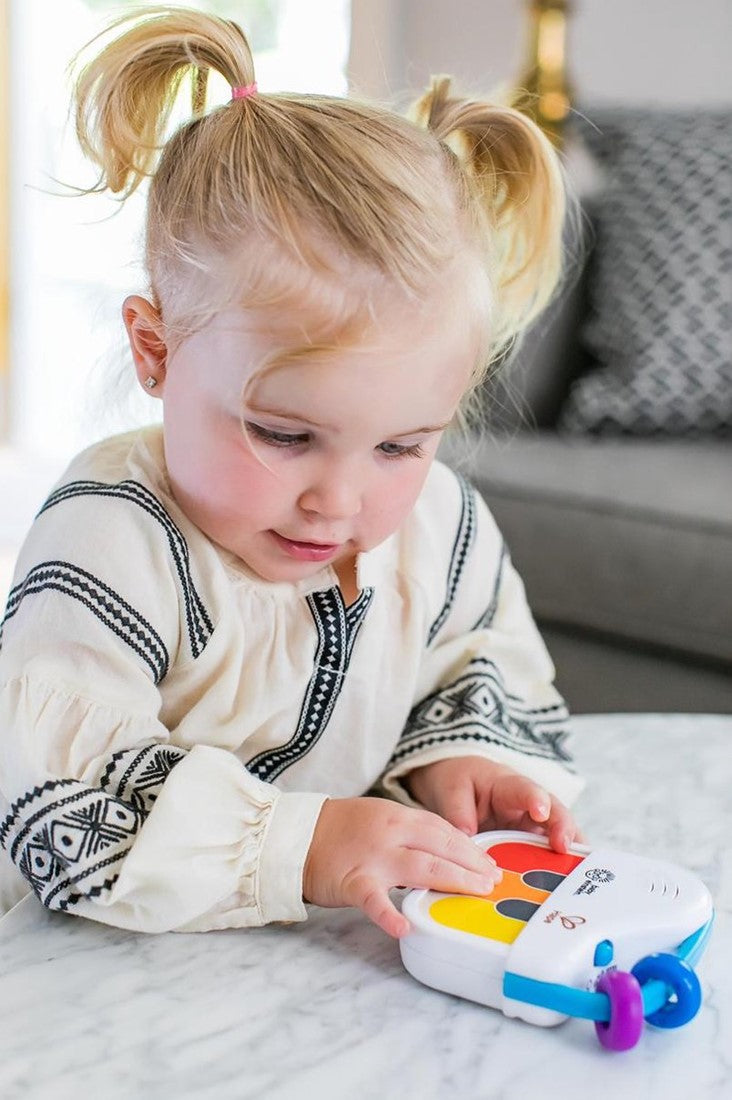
(306, 551)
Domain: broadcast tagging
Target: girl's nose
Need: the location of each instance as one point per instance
(335, 495)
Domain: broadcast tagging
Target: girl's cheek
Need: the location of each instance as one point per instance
(393, 505)
(262, 475)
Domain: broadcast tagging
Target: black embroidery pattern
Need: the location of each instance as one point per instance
(337, 629)
(476, 707)
(489, 614)
(198, 621)
(69, 839)
(460, 550)
(137, 775)
(108, 606)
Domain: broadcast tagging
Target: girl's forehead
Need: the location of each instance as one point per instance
(415, 367)
(392, 345)
(326, 290)
(399, 335)
(401, 392)
(358, 316)
(402, 373)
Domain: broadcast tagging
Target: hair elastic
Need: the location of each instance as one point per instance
(244, 91)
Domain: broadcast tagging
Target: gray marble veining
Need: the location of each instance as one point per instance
(325, 1009)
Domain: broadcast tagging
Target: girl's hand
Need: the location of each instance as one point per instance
(475, 794)
(362, 847)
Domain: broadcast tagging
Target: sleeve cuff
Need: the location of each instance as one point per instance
(282, 859)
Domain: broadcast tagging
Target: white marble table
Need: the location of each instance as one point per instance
(324, 1009)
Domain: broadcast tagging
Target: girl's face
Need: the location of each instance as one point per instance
(335, 451)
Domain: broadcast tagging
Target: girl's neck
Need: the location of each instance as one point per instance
(346, 572)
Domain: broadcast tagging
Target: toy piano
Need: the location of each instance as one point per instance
(595, 933)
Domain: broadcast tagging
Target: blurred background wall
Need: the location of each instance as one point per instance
(669, 52)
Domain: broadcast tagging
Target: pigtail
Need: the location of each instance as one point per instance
(515, 181)
(284, 193)
(125, 94)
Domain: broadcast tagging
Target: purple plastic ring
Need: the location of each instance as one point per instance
(625, 1026)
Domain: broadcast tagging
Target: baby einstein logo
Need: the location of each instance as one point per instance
(596, 876)
(599, 874)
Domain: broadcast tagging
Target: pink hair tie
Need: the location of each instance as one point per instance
(245, 91)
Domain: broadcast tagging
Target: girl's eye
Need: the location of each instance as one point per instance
(401, 450)
(276, 439)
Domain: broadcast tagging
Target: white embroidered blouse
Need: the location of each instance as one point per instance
(170, 723)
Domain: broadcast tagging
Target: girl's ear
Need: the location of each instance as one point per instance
(149, 351)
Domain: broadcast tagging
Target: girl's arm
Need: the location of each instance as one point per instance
(109, 815)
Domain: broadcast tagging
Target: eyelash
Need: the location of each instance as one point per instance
(275, 439)
(283, 440)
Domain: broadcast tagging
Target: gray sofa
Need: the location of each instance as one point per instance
(623, 538)
(625, 547)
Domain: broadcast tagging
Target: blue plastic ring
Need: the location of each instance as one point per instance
(680, 980)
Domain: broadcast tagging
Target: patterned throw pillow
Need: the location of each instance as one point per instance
(659, 326)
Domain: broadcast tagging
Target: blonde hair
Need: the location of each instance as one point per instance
(274, 198)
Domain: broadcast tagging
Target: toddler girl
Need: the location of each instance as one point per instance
(225, 631)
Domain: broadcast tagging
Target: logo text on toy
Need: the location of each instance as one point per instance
(595, 876)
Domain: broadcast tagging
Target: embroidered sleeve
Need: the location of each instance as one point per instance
(107, 817)
(154, 837)
(69, 839)
(486, 684)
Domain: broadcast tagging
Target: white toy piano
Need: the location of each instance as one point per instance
(595, 933)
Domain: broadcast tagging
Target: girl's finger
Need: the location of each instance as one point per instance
(438, 838)
(514, 795)
(455, 802)
(561, 828)
(372, 898)
(429, 872)
(539, 804)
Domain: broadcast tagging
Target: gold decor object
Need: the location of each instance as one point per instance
(199, 88)
(543, 91)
